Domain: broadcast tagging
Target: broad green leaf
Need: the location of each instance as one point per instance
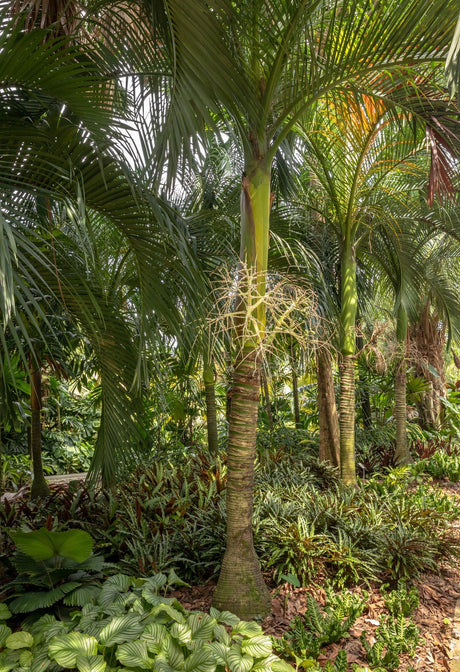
(258, 646)
(201, 660)
(134, 654)
(19, 640)
(65, 649)
(156, 582)
(168, 611)
(121, 629)
(224, 617)
(220, 652)
(5, 632)
(5, 613)
(181, 632)
(238, 661)
(121, 581)
(173, 653)
(114, 590)
(41, 661)
(36, 600)
(221, 634)
(91, 664)
(83, 595)
(174, 580)
(162, 665)
(155, 636)
(9, 660)
(36, 544)
(247, 628)
(26, 658)
(201, 625)
(281, 666)
(74, 544)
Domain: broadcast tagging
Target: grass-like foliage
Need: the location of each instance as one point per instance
(306, 524)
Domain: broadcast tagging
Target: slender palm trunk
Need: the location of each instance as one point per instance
(347, 365)
(241, 588)
(268, 405)
(329, 431)
(402, 454)
(211, 413)
(363, 392)
(39, 485)
(295, 387)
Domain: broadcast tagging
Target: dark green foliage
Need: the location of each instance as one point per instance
(393, 637)
(53, 567)
(440, 465)
(305, 522)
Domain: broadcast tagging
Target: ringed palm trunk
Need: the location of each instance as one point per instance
(402, 454)
(241, 588)
(39, 485)
(329, 431)
(347, 365)
(211, 413)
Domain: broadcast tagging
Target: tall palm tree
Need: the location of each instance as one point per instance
(271, 63)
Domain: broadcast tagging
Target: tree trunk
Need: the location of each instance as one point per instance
(241, 588)
(366, 409)
(295, 388)
(402, 453)
(329, 431)
(428, 340)
(268, 406)
(349, 301)
(211, 413)
(39, 485)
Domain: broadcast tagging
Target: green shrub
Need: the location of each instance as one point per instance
(53, 567)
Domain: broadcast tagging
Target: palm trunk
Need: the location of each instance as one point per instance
(329, 431)
(211, 413)
(268, 406)
(402, 454)
(295, 388)
(39, 485)
(363, 392)
(241, 588)
(347, 365)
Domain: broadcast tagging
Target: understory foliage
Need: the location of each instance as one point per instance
(172, 514)
(322, 625)
(129, 624)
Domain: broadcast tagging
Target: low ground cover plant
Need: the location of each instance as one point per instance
(131, 625)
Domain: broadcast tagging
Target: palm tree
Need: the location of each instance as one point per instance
(271, 63)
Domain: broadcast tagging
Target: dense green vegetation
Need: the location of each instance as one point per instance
(229, 281)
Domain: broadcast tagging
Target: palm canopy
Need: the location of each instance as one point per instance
(61, 183)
